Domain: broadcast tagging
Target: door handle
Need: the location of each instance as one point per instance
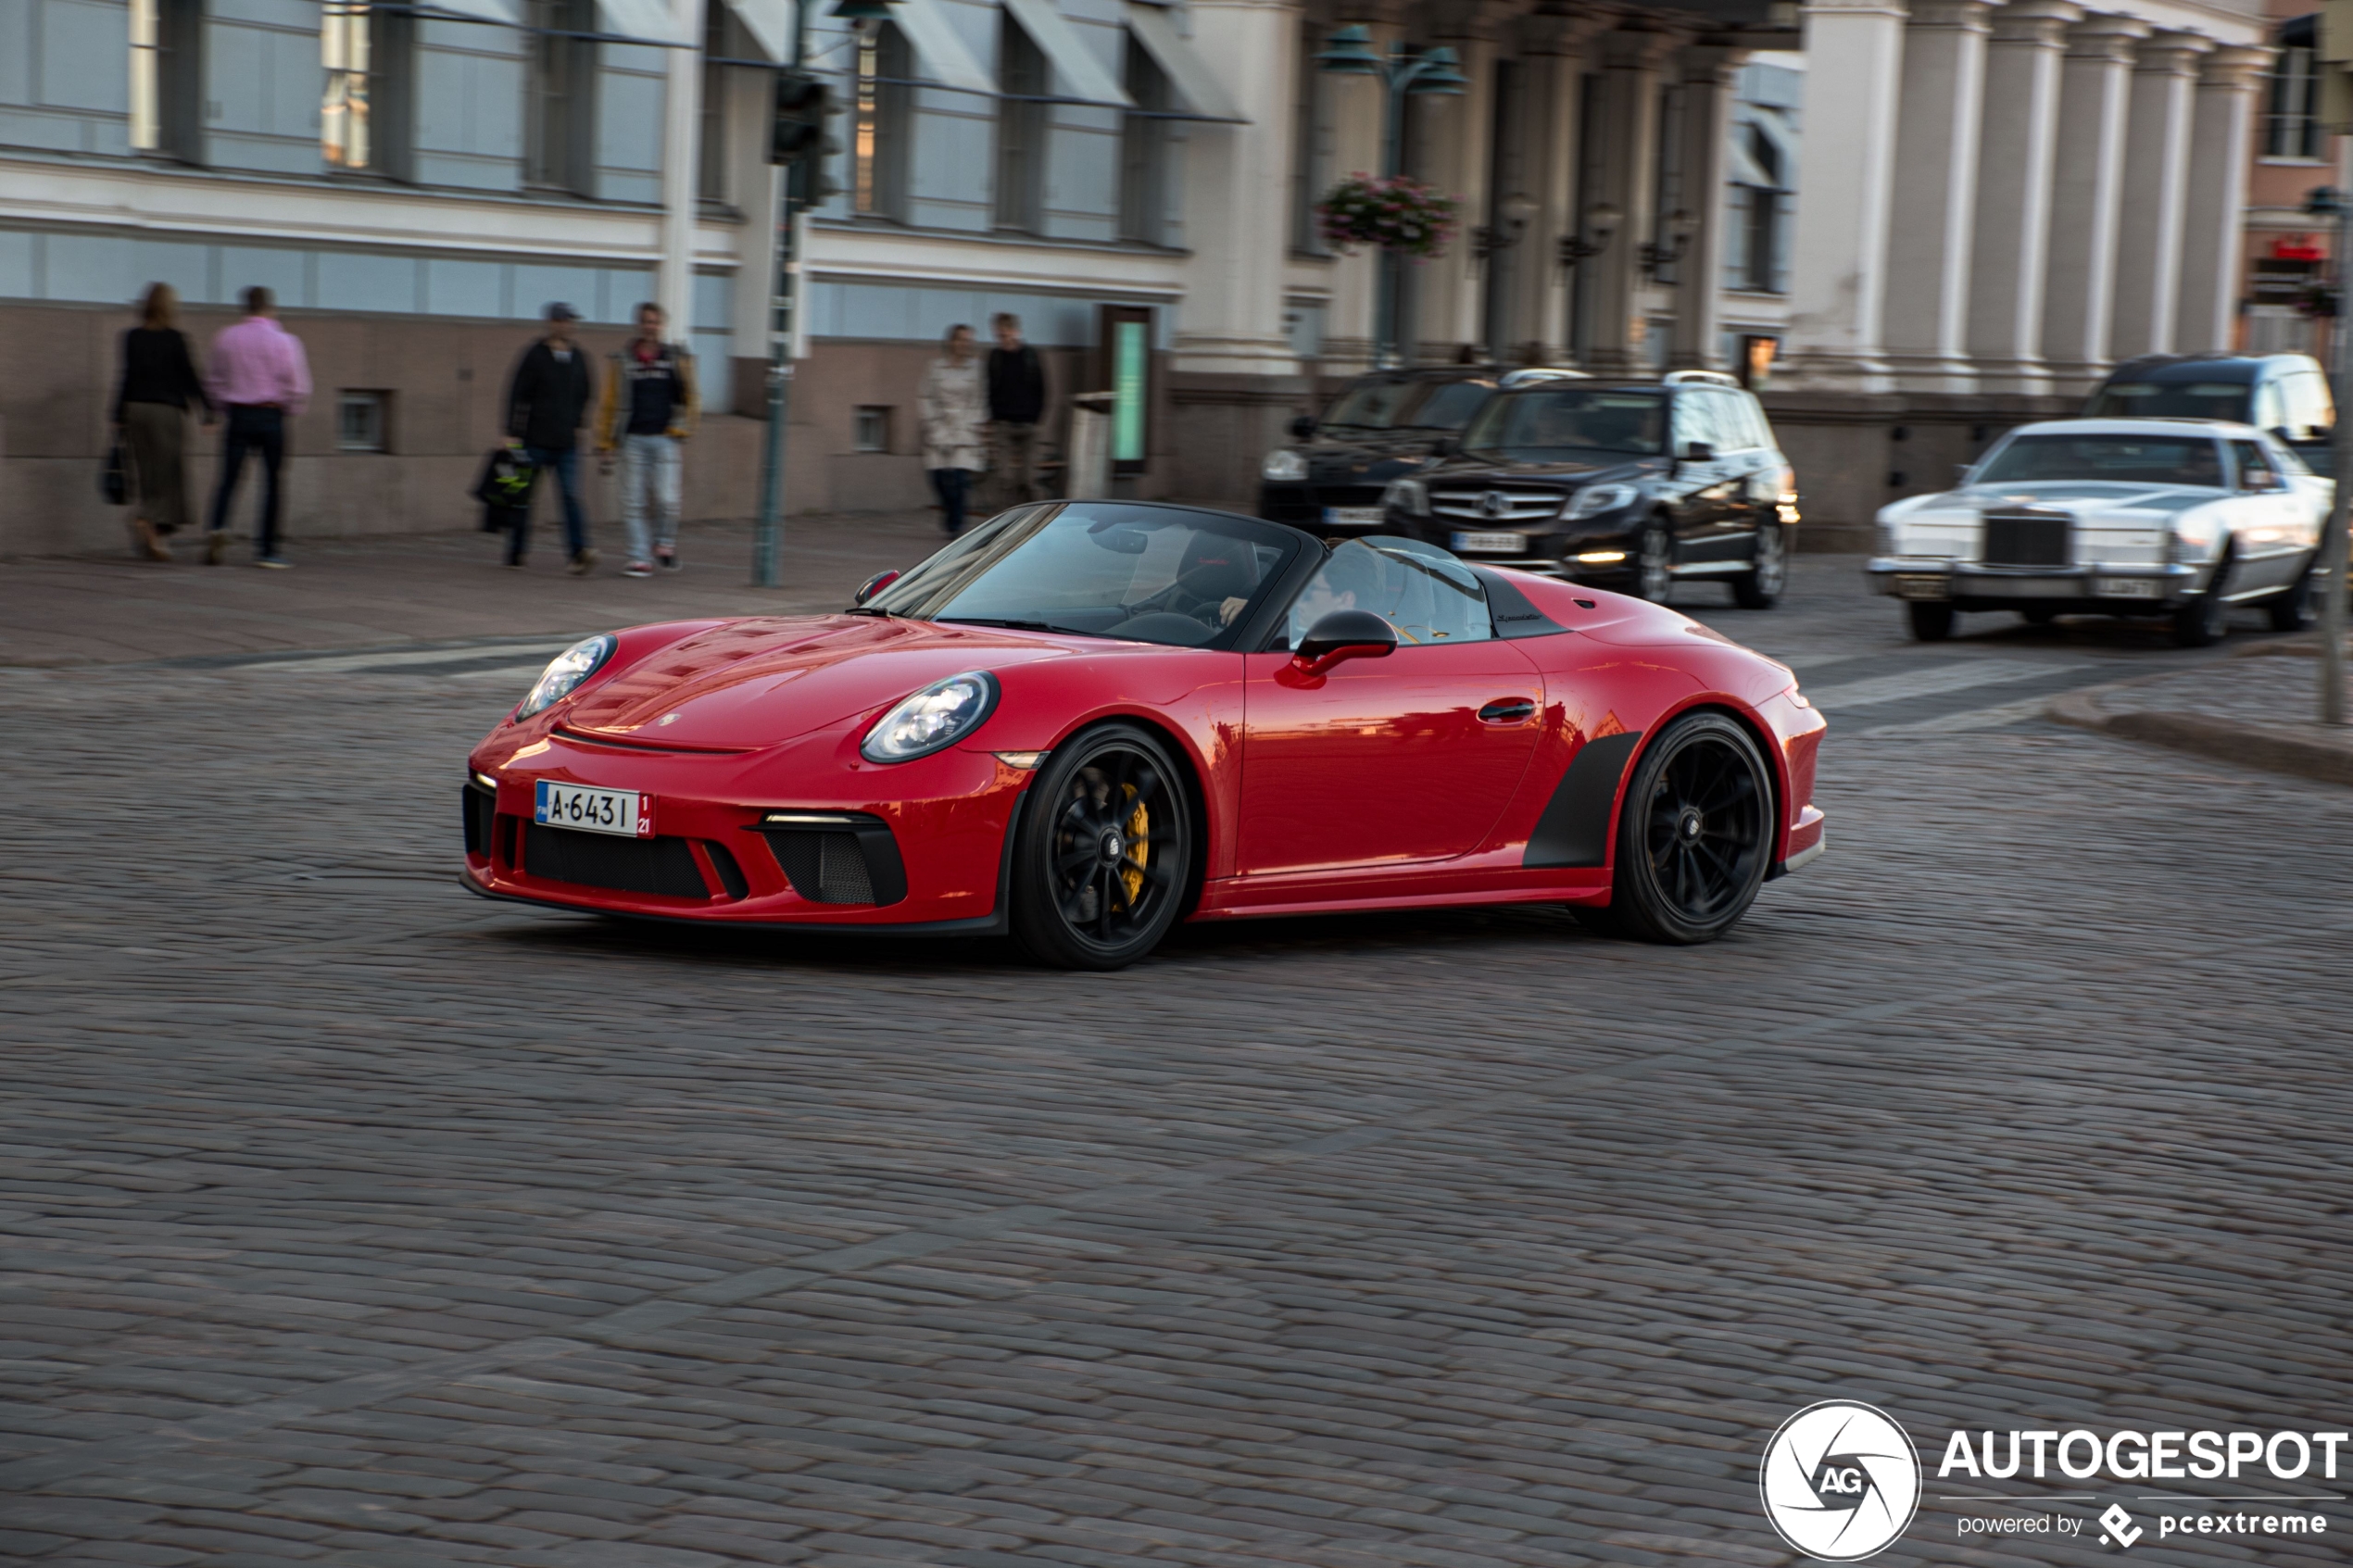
(1508, 710)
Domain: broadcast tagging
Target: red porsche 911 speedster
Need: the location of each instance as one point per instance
(1083, 722)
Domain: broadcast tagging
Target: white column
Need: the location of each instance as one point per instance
(2212, 232)
(1232, 320)
(2087, 192)
(1457, 155)
(1838, 265)
(2019, 144)
(681, 170)
(1626, 125)
(2156, 167)
(1356, 149)
(1537, 318)
(1707, 73)
(1934, 202)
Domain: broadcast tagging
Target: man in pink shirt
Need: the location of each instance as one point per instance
(258, 377)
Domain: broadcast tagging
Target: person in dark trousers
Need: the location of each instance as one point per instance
(1016, 403)
(259, 375)
(546, 404)
(151, 406)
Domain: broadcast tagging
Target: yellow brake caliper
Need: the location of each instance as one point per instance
(1138, 852)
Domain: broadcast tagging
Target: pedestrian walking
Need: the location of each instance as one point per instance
(955, 420)
(1016, 403)
(546, 404)
(648, 413)
(151, 402)
(259, 375)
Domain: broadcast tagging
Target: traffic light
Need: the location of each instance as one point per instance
(798, 129)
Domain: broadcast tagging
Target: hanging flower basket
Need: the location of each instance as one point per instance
(1403, 215)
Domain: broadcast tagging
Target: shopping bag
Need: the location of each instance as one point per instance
(506, 478)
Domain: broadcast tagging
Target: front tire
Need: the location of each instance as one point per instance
(1105, 848)
(1931, 621)
(1695, 834)
(1761, 585)
(2293, 610)
(2206, 619)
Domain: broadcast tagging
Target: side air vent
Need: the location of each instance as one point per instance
(836, 856)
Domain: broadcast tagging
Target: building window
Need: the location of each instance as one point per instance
(870, 429)
(166, 76)
(1021, 129)
(711, 183)
(1759, 213)
(2291, 118)
(1143, 150)
(562, 96)
(878, 149)
(343, 115)
(1311, 144)
(361, 422)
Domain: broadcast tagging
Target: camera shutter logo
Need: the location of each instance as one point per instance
(1840, 1481)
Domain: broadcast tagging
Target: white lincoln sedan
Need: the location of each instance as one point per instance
(2176, 517)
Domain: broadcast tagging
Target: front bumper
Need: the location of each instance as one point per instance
(1304, 504)
(1601, 551)
(2090, 587)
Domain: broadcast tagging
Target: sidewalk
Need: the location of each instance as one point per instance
(2258, 710)
(375, 593)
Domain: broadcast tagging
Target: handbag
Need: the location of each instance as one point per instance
(504, 487)
(114, 480)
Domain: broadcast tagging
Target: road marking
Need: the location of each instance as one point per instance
(1935, 680)
(355, 663)
(1955, 723)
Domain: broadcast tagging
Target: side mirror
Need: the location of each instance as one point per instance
(1445, 447)
(1960, 473)
(2281, 434)
(1303, 427)
(1698, 452)
(1343, 634)
(874, 585)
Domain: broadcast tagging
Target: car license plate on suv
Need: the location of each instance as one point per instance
(622, 812)
(2127, 588)
(1353, 517)
(1490, 543)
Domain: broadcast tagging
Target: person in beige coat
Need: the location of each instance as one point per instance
(955, 420)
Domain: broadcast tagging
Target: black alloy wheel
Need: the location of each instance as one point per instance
(2206, 619)
(1654, 562)
(2293, 610)
(1768, 571)
(1931, 620)
(1105, 851)
(1696, 834)
(2040, 615)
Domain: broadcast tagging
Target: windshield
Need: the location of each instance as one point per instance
(1564, 424)
(1408, 405)
(2179, 400)
(2116, 460)
(1145, 574)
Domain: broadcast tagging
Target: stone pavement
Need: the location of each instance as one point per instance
(349, 1221)
(2258, 711)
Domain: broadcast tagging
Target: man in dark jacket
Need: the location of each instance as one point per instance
(1016, 402)
(546, 404)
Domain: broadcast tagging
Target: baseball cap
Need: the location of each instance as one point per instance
(558, 311)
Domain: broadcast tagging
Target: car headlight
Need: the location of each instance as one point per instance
(566, 670)
(1285, 466)
(1595, 499)
(940, 715)
(1410, 493)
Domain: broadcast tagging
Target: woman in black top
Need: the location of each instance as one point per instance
(151, 411)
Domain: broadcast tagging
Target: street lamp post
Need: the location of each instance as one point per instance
(2330, 201)
(1349, 52)
(801, 181)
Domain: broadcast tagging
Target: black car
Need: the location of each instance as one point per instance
(2286, 393)
(1633, 485)
(1383, 427)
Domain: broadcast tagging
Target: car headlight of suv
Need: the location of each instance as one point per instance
(938, 716)
(1409, 495)
(1595, 499)
(1285, 466)
(566, 670)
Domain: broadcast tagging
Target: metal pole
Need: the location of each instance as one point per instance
(768, 532)
(2333, 548)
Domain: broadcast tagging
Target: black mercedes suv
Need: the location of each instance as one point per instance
(1627, 484)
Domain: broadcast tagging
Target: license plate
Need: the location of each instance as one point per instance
(622, 812)
(1923, 585)
(1490, 543)
(1356, 516)
(2127, 588)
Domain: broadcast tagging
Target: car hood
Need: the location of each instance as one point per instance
(2085, 501)
(1374, 460)
(1466, 470)
(752, 683)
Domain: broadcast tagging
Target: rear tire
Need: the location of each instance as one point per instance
(1696, 834)
(1761, 585)
(1931, 621)
(2206, 619)
(2293, 610)
(1104, 855)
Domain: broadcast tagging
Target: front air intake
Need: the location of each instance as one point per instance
(836, 856)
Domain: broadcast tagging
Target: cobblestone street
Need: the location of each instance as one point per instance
(350, 1220)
